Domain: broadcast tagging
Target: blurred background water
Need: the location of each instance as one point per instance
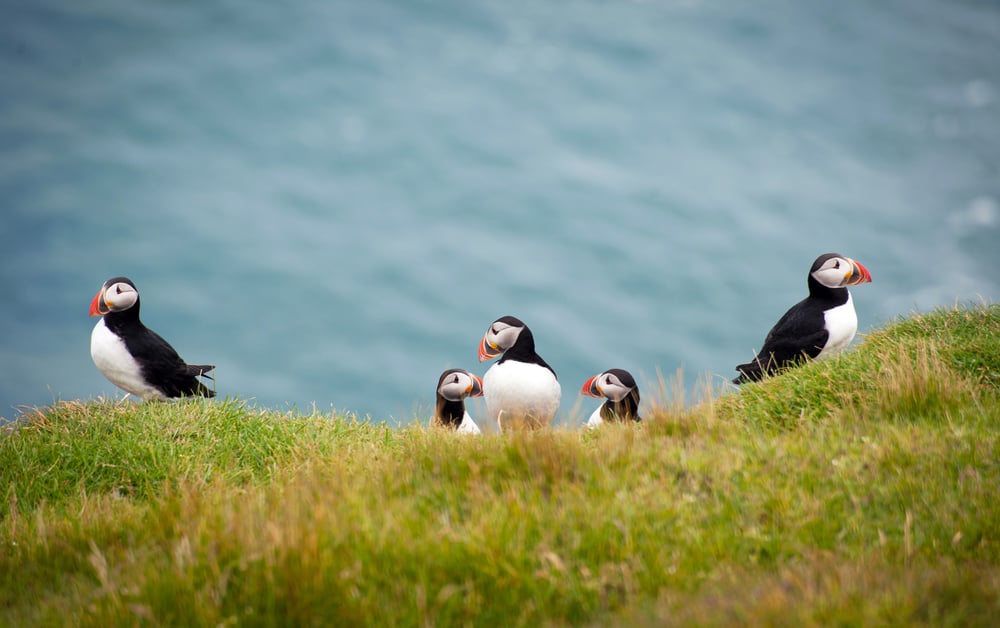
(332, 200)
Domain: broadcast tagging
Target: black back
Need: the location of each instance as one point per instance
(523, 349)
(161, 366)
(801, 332)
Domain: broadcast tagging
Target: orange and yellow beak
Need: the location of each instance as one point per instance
(591, 387)
(858, 275)
(476, 389)
(487, 350)
(98, 307)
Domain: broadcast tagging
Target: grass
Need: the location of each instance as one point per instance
(856, 491)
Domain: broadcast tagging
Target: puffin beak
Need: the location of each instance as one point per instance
(97, 306)
(859, 274)
(476, 389)
(487, 350)
(591, 387)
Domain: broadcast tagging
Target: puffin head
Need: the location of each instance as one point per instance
(457, 384)
(837, 271)
(613, 384)
(501, 335)
(117, 294)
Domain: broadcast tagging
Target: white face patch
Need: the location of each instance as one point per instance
(456, 386)
(113, 360)
(502, 335)
(613, 388)
(120, 296)
(834, 273)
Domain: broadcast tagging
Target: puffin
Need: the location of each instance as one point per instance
(622, 394)
(521, 390)
(134, 357)
(818, 326)
(454, 386)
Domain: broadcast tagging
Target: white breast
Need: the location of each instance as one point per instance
(468, 426)
(595, 419)
(842, 323)
(117, 364)
(518, 392)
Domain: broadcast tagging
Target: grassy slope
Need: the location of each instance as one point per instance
(860, 490)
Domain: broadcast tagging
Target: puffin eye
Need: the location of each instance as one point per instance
(836, 265)
(118, 289)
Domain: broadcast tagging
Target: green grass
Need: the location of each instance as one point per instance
(856, 491)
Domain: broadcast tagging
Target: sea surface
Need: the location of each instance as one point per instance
(332, 200)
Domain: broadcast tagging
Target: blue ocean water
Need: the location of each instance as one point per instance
(332, 200)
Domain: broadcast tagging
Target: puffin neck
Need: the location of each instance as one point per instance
(819, 291)
(449, 412)
(124, 318)
(625, 410)
(523, 349)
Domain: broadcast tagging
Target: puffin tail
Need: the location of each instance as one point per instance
(200, 370)
(750, 372)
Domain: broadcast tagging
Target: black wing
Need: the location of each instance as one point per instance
(796, 334)
(164, 368)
